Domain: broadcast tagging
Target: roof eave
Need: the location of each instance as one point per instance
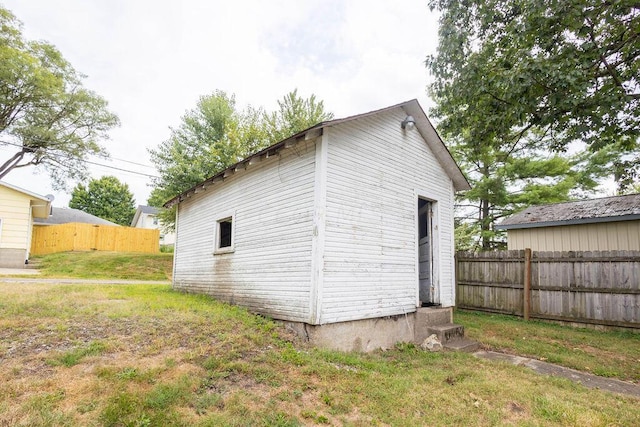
(23, 191)
(307, 134)
(442, 153)
(412, 107)
(135, 217)
(41, 210)
(38, 209)
(567, 222)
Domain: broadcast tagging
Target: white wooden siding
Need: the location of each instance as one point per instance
(270, 269)
(375, 174)
(327, 230)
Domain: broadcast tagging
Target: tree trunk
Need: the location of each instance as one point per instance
(484, 225)
(485, 221)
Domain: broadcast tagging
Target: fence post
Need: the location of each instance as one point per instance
(527, 283)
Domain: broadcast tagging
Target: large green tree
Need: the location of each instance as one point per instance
(505, 180)
(294, 114)
(521, 84)
(199, 146)
(215, 135)
(107, 198)
(46, 116)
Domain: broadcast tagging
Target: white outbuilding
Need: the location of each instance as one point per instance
(343, 230)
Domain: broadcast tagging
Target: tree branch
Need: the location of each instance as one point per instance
(612, 72)
(497, 98)
(11, 163)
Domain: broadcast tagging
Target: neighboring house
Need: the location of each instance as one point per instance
(68, 215)
(147, 217)
(348, 224)
(18, 210)
(606, 224)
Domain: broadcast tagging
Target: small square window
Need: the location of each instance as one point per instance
(224, 235)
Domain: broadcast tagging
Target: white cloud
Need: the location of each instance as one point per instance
(152, 59)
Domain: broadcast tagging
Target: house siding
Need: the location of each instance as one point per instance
(15, 213)
(605, 236)
(16, 218)
(375, 173)
(146, 220)
(272, 204)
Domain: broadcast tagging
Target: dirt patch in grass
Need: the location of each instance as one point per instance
(145, 355)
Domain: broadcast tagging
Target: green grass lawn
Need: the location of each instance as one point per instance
(610, 354)
(106, 265)
(144, 355)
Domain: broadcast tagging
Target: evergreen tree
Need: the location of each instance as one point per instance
(540, 98)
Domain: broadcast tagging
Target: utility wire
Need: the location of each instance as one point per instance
(133, 163)
(121, 169)
(103, 165)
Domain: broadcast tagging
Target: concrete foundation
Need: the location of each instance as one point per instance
(372, 334)
(12, 258)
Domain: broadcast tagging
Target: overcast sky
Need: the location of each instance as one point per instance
(152, 59)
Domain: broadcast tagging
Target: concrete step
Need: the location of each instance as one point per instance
(464, 344)
(434, 315)
(430, 316)
(447, 332)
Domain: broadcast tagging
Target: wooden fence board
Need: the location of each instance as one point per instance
(582, 287)
(49, 239)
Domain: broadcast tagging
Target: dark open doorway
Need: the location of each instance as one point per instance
(426, 292)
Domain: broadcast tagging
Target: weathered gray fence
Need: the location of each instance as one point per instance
(601, 288)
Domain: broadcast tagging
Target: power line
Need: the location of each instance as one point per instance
(133, 163)
(103, 165)
(121, 169)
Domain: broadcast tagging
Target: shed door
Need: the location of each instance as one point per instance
(425, 251)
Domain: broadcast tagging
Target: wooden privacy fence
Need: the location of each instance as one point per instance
(601, 288)
(77, 236)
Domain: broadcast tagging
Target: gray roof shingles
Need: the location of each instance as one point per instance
(148, 209)
(67, 215)
(606, 209)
